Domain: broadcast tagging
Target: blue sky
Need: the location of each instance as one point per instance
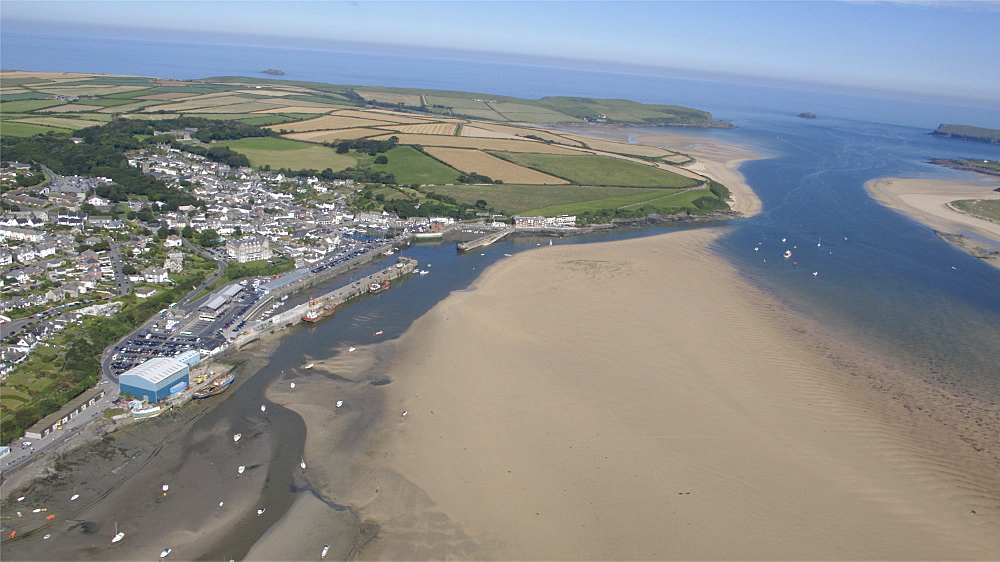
(949, 49)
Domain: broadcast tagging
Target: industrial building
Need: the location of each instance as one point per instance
(156, 379)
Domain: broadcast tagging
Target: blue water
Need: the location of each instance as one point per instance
(882, 278)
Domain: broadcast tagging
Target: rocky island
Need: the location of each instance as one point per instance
(967, 132)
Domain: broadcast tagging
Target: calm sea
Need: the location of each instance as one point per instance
(881, 279)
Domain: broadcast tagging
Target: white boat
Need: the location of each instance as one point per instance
(788, 254)
(241, 469)
(263, 408)
(119, 535)
(340, 403)
(260, 511)
(236, 437)
(378, 333)
(165, 487)
(423, 272)
(74, 498)
(284, 298)
(350, 349)
(322, 555)
(293, 385)
(309, 366)
(165, 552)
(302, 464)
(46, 536)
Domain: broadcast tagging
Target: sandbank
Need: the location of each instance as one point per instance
(638, 400)
(928, 201)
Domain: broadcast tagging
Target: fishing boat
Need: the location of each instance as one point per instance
(218, 386)
(322, 555)
(237, 437)
(309, 366)
(119, 535)
(166, 552)
(319, 309)
(379, 287)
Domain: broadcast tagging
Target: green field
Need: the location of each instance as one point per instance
(27, 105)
(409, 165)
(524, 199)
(27, 129)
(663, 201)
(293, 155)
(598, 170)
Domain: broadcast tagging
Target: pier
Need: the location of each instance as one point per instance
(339, 296)
(483, 240)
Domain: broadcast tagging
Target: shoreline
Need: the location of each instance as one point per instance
(928, 201)
(556, 438)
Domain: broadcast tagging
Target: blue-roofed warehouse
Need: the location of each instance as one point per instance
(156, 379)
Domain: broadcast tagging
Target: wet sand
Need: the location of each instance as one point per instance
(929, 201)
(637, 400)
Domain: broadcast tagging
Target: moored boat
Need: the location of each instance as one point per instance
(318, 310)
(166, 551)
(309, 366)
(218, 386)
(150, 411)
(378, 287)
(322, 555)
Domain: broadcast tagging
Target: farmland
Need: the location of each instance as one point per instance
(440, 134)
(282, 153)
(599, 170)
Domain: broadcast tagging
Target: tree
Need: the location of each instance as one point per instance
(208, 237)
(481, 203)
(381, 159)
(187, 232)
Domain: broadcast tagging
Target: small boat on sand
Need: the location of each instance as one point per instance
(260, 511)
(237, 437)
(340, 403)
(75, 497)
(263, 408)
(351, 349)
(322, 555)
(309, 366)
(240, 469)
(166, 552)
(293, 385)
(302, 464)
(119, 535)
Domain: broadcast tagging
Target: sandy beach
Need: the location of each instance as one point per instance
(637, 400)
(928, 202)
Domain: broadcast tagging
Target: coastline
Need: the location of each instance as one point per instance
(566, 407)
(928, 201)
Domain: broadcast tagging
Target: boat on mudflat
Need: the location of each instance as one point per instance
(218, 386)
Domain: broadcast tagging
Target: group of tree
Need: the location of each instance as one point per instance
(368, 146)
(215, 152)
(473, 177)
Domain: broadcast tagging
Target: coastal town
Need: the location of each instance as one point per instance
(69, 254)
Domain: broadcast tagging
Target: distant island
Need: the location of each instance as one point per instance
(273, 71)
(807, 115)
(967, 132)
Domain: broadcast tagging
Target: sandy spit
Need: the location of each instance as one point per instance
(637, 400)
(928, 202)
